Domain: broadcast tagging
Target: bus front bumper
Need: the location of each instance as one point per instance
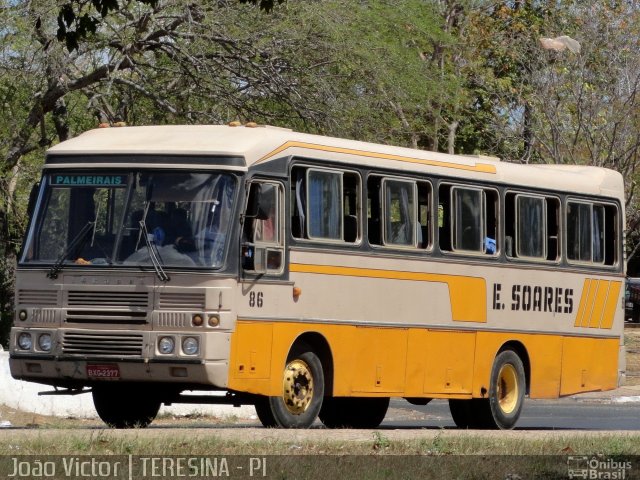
(72, 372)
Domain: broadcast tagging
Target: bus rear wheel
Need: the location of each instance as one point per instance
(474, 413)
(302, 392)
(506, 396)
(125, 406)
(353, 412)
(507, 389)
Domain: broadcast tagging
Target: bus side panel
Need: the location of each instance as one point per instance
(251, 352)
(589, 364)
(449, 357)
(545, 355)
(380, 362)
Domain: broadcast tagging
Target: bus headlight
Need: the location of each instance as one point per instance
(24, 341)
(44, 342)
(190, 345)
(166, 345)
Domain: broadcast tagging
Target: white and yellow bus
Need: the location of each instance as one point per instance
(315, 277)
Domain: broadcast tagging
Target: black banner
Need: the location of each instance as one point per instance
(325, 467)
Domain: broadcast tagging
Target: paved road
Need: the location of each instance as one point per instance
(536, 415)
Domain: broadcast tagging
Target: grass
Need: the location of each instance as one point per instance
(632, 344)
(449, 442)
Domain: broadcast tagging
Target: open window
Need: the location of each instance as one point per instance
(263, 245)
(325, 205)
(398, 212)
(468, 219)
(531, 226)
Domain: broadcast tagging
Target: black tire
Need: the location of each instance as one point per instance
(125, 406)
(635, 313)
(353, 412)
(298, 406)
(263, 410)
(474, 413)
(506, 390)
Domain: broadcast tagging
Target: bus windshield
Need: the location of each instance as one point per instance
(127, 218)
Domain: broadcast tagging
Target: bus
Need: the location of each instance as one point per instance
(315, 277)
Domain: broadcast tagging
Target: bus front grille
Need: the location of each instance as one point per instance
(102, 344)
(79, 298)
(106, 317)
(40, 298)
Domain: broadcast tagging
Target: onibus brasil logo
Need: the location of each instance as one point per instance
(598, 468)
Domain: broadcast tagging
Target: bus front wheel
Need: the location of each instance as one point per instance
(506, 396)
(125, 406)
(302, 392)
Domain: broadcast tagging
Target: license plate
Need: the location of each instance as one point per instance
(103, 371)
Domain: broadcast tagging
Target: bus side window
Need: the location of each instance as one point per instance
(399, 212)
(467, 213)
(374, 226)
(424, 215)
(611, 234)
(592, 232)
(351, 207)
(468, 219)
(553, 229)
(325, 205)
(532, 226)
(444, 218)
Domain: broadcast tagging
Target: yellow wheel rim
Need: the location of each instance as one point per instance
(508, 388)
(297, 387)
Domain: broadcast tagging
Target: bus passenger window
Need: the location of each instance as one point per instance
(325, 205)
(351, 205)
(592, 232)
(424, 215)
(399, 212)
(374, 226)
(531, 226)
(468, 215)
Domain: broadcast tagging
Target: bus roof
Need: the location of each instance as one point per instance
(263, 143)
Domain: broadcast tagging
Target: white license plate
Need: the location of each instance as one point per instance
(103, 371)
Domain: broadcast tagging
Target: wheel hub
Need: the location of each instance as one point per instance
(297, 387)
(508, 388)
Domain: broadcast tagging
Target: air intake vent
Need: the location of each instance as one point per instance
(44, 315)
(108, 299)
(39, 298)
(182, 301)
(173, 319)
(102, 344)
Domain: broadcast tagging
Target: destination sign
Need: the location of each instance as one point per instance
(89, 180)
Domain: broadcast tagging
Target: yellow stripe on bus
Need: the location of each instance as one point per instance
(583, 302)
(477, 167)
(598, 307)
(611, 305)
(598, 304)
(468, 294)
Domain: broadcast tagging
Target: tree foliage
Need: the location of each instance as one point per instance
(464, 76)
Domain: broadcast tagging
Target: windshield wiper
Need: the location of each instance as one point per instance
(78, 240)
(154, 255)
